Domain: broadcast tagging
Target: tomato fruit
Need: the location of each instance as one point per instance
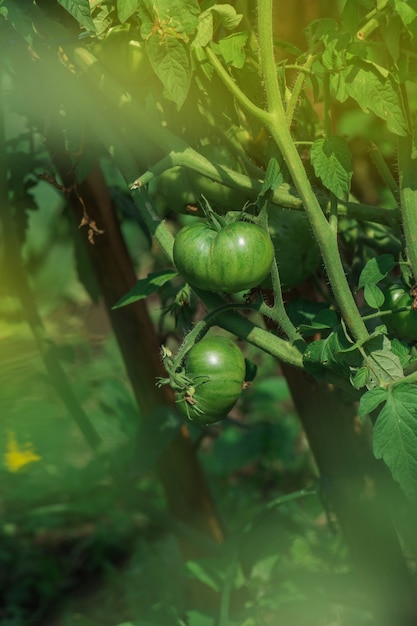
(220, 197)
(234, 258)
(216, 368)
(175, 187)
(123, 54)
(404, 324)
(182, 188)
(296, 251)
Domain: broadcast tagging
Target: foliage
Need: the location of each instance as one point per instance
(211, 116)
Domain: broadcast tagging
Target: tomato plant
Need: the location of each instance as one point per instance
(215, 368)
(400, 324)
(236, 257)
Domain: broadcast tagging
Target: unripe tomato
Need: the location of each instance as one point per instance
(182, 188)
(220, 197)
(296, 250)
(175, 187)
(402, 325)
(216, 367)
(123, 54)
(237, 257)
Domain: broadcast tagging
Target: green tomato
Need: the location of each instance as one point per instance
(174, 186)
(237, 257)
(216, 367)
(123, 54)
(220, 197)
(296, 250)
(404, 324)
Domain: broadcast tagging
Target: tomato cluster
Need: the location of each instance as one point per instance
(216, 368)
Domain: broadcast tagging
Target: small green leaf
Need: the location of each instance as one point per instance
(80, 11)
(373, 296)
(126, 8)
(408, 14)
(232, 49)
(145, 287)
(332, 163)
(361, 378)
(195, 618)
(273, 177)
(204, 30)
(227, 15)
(395, 436)
(376, 269)
(371, 400)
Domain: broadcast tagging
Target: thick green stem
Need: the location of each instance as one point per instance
(408, 196)
(323, 232)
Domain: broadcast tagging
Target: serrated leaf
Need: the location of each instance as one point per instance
(374, 93)
(395, 436)
(402, 350)
(371, 400)
(145, 287)
(171, 63)
(273, 177)
(232, 49)
(373, 296)
(361, 378)
(383, 364)
(204, 30)
(227, 15)
(126, 8)
(322, 354)
(169, 19)
(376, 269)
(332, 163)
(80, 11)
(324, 320)
(407, 12)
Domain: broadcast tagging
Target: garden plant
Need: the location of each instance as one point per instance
(273, 176)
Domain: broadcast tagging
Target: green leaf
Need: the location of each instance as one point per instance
(324, 320)
(145, 287)
(407, 12)
(376, 269)
(232, 49)
(373, 92)
(204, 30)
(371, 400)
(169, 19)
(322, 355)
(80, 10)
(227, 15)
(126, 8)
(361, 378)
(273, 177)
(373, 296)
(384, 366)
(395, 436)
(332, 163)
(171, 63)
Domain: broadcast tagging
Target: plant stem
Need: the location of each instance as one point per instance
(408, 195)
(276, 124)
